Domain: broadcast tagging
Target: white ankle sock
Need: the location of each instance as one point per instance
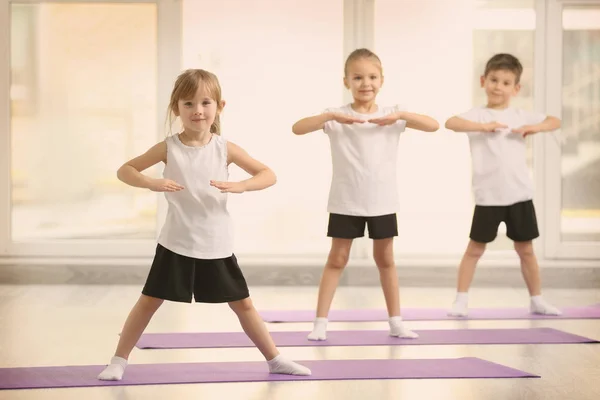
(115, 370)
(281, 365)
(460, 305)
(319, 331)
(397, 329)
(539, 306)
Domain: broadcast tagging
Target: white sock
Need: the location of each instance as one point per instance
(319, 331)
(539, 306)
(115, 370)
(460, 306)
(281, 365)
(397, 329)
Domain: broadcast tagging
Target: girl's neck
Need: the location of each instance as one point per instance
(195, 139)
(364, 107)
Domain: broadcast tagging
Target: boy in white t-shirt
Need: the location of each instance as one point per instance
(364, 150)
(502, 186)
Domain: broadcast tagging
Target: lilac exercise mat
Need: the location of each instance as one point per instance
(162, 374)
(427, 314)
(363, 338)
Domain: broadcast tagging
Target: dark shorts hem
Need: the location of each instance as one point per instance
(179, 278)
(352, 226)
(520, 220)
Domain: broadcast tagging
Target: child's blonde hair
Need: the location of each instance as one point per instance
(185, 88)
(360, 54)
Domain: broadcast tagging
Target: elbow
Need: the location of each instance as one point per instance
(120, 173)
(434, 126)
(272, 180)
(295, 129)
(557, 123)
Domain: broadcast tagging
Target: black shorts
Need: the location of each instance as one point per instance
(352, 227)
(520, 220)
(175, 277)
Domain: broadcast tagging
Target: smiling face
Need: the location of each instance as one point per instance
(500, 86)
(364, 79)
(196, 99)
(198, 113)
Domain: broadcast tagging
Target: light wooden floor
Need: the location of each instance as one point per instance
(72, 324)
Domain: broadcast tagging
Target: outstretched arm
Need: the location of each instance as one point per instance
(419, 122)
(414, 121)
(458, 124)
(317, 122)
(311, 124)
(549, 124)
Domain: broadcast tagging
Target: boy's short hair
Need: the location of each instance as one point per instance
(504, 61)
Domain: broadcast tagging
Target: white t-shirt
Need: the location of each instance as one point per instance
(198, 224)
(364, 159)
(499, 159)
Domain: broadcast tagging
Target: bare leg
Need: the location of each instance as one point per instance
(529, 267)
(383, 254)
(336, 262)
(136, 323)
(256, 330)
(531, 274)
(254, 327)
(466, 271)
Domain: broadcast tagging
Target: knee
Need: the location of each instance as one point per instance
(338, 260)
(241, 306)
(524, 250)
(475, 250)
(384, 263)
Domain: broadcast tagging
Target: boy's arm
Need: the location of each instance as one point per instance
(311, 124)
(418, 121)
(548, 124)
(458, 124)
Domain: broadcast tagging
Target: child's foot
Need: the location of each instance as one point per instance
(397, 329)
(539, 306)
(281, 365)
(319, 331)
(115, 370)
(460, 305)
(458, 310)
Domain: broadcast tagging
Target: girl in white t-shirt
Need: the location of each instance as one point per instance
(364, 142)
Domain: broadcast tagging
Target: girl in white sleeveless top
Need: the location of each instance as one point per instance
(194, 255)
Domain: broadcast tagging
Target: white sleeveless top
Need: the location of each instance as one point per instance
(198, 224)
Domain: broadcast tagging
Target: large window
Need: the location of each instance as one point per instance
(83, 101)
(580, 158)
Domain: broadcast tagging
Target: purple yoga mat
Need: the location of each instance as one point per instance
(427, 314)
(363, 338)
(162, 374)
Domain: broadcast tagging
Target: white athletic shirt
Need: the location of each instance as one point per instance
(198, 224)
(499, 159)
(364, 158)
